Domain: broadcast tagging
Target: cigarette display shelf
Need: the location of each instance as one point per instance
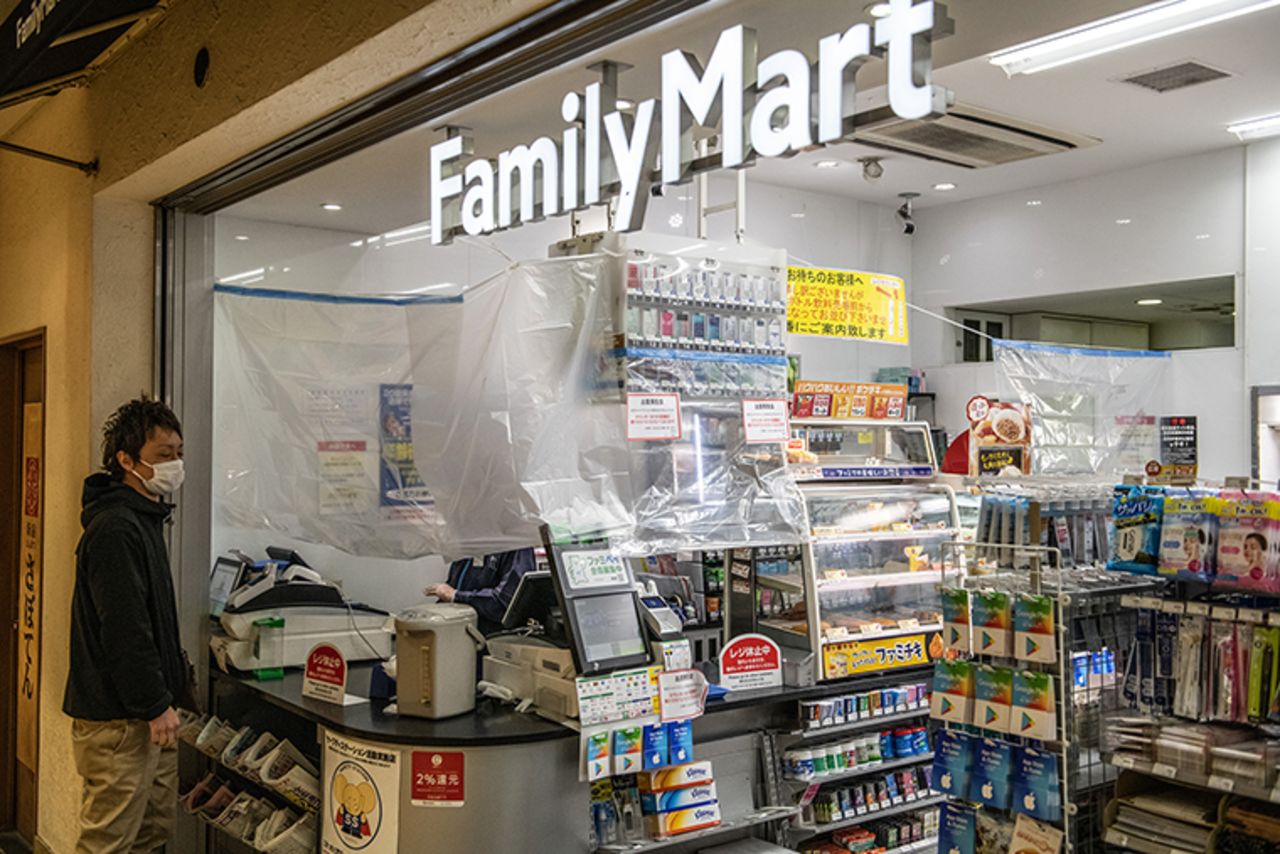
(865, 770)
(756, 818)
(863, 724)
(929, 799)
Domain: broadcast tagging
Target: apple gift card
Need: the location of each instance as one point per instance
(1036, 787)
(989, 784)
(952, 760)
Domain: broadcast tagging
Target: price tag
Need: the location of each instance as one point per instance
(1122, 761)
(837, 633)
(835, 575)
(1151, 603)
(1252, 615)
(871, 629)
(874, 806)
(1128, 600)
(1199, 609)
(1225, 784)
(897, 801)
(909, 625)
(1170, 607)
(862, 810)
(1162, 770)
(1273, 619)
(1221, 612)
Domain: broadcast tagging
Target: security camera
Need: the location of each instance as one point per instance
(872, 168)
(904, 213)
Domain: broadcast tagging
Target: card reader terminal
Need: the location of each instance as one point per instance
(660, 618)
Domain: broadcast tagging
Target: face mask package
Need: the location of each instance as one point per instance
(1135, 539)
(1189, 537)
(1248, 537)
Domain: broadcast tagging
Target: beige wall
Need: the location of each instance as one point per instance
(76, 254)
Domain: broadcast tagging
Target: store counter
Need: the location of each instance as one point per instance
(516, 785)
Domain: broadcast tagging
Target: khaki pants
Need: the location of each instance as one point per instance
(130, 797)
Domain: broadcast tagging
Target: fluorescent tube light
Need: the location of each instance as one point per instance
(1144, 24)
(1256, 128)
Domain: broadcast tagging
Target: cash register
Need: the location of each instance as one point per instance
(581, 618)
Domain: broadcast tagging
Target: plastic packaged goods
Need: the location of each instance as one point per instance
(1189, 536)
(1091, 430)
(1135, 540)
(1249, 541)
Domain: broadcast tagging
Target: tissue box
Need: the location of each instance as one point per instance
(682, 821)
(678, 777)
(678, 799)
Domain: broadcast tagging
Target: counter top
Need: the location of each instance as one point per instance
(491, 724)
(494, 723)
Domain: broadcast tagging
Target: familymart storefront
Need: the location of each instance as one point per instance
(546, 282)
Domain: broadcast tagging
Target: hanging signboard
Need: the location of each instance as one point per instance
(361, 797)
(999, 437)
(31, 571)
(846, 304)
(850, 400)
(1179, 450)
(850, 658)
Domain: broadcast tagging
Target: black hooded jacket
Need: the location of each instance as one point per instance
(126, 656)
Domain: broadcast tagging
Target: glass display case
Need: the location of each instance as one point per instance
(863, 597)
(861, 450)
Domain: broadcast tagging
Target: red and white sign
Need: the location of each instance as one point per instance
(653, 417)
(325, 678)
(765, 421)
(439, 779)
(977, 408)
(682, 694)
(750, 661)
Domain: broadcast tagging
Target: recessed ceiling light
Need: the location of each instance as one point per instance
(357, 243)
(1202, 237)
(878, 10)
(1123, 221)
(285, 269)
(683, 198)
(944, 186)
(1033, 203)
(1256, 128)
(331, 206)
(242, 237)
(1150, 301)
(798, 215)
(624, 104)
(829, 164)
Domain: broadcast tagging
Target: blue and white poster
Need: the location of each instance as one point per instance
(400, 485)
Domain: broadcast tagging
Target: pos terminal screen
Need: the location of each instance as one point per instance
(608, 628)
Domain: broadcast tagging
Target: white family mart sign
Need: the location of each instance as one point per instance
(764, 108)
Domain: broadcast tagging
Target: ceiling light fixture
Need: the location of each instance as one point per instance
(829, 164)
(1144, 24)
(1150, 301)
(331, 206)
(1033, 203)
(1123, 221)
(944, 186)
(1256, 128)
(242, 237)
(798, 215)
(1202, 237)
(624, 104)
(878, 10)
(872, 168)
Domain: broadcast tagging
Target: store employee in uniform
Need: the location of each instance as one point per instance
(486, 585)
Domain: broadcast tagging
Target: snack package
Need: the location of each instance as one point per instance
(1189, 536)
(1248, 538)
(1135, 531)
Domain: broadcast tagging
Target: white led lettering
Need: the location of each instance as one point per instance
(790, 99)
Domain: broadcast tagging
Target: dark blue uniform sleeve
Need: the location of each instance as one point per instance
(491, 602)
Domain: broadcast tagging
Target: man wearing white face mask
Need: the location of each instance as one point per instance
(128, 671)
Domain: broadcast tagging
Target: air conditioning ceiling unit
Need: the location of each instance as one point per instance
(966, 136)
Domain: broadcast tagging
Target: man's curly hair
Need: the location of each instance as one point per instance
(130, 426)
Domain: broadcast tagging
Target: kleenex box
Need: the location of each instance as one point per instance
(677, 777)
(682, 821)
(678, 799)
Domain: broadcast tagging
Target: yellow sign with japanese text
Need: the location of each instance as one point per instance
(849, 658)
(846, 304)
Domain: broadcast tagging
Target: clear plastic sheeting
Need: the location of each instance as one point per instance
(506, 431)
(312, 434)
(1092, 411)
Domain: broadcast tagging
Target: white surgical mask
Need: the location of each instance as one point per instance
(166, 478)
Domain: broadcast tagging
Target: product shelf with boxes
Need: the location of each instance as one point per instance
(863, 770)
(768, 815)
(907, 805)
